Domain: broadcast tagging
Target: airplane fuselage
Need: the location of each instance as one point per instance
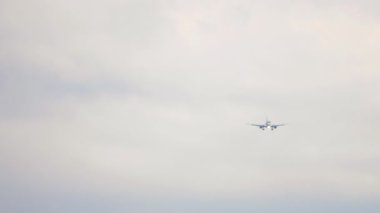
(268, 126)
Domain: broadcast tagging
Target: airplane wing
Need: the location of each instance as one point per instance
(259, 125)
(277, 125)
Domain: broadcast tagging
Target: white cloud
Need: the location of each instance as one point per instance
(151, 98)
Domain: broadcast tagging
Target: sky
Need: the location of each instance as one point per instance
(142, 106)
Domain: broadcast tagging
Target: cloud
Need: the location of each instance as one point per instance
(145, 104)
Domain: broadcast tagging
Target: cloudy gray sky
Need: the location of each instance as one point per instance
(141, 106)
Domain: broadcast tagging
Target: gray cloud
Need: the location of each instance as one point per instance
(141, 106)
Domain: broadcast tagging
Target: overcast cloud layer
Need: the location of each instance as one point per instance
(141, 106)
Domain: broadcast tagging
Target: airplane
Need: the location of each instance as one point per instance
(267, 125)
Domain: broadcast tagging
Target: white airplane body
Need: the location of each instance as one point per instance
(267, 125)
